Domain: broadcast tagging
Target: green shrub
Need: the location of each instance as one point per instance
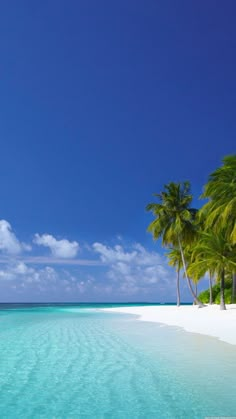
(204, 296)
(227, 296)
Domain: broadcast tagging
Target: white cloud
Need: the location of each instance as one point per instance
(46, 282)
(134, 270)
(22, 269)
(117, 253)
(59, 248)
(15, 270)
(124, 271)
(8, 241)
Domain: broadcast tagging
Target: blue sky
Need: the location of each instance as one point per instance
(101, 104)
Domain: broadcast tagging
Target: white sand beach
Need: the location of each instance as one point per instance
(209, 320)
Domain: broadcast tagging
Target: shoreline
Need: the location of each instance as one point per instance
(209, 320)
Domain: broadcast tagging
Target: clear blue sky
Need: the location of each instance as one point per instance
(101, 104)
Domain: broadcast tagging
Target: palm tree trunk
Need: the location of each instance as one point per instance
(185, 271)
(195, 302)
(233, 298)
(210, 289)
(222, 291)
(177, 288)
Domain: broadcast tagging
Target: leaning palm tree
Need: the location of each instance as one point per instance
(174, 220)
(214, 253)
(175, 260)
(188, 254)
(233, 297)
(198, 272)
(220, 211)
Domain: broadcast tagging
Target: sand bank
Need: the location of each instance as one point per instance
(209, 320)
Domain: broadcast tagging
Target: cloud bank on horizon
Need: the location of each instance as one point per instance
(48, 269)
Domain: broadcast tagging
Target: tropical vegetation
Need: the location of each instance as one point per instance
(200, 242)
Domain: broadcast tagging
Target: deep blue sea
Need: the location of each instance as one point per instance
(75, 361)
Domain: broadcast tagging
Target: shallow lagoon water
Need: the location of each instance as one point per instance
(79, 362)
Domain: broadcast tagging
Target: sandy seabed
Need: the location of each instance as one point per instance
(209, 320)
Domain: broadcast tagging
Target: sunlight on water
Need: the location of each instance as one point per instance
(69, 362)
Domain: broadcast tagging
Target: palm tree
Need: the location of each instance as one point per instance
(220, 211)
(196, 291)
(198, 272)
(214, 253)
(188, 252)
(174, 220)
(175, 261)
(210, 288)
(233, 297)
(221, 190)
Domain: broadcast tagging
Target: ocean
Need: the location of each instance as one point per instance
(76, 361)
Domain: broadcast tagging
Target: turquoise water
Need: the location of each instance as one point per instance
(73, 362)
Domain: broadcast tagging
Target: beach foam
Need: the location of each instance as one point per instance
(209, 320)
